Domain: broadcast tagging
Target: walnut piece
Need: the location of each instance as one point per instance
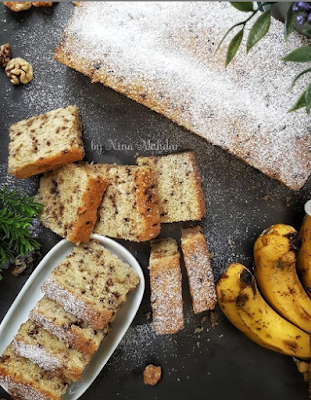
(5, 54)
(152, 375)
(42, 3)
(19, 71)
(18, 6)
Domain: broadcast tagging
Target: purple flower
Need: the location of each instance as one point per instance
(35, 228)
(295, 7)
(6, 266)
(309, 18)
(303, 6)
(301, 19)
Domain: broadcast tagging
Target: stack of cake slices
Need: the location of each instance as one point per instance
(54, 346)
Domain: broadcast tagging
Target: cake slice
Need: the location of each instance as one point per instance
(45, 142)
(199, 270)
(166, 289)
(50, 353)
(71, 196)
(24, 380)
(91, 283)
(71, 330)
(130, 206)
(180, 193)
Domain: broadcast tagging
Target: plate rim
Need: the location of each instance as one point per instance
(76, 389)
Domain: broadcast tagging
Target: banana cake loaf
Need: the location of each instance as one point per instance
(45, 142)
(129, 209)
(91, 283)
(24, 380)
(71, 196)
(50, 353)
(72, 330)
(166, 289)
(180, 193)
(178, 75)
(199, 270)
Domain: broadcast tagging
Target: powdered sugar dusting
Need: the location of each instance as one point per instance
(36, 354)
(21, 390)
(166, 291)
(162, 55)
(200, 274)
(70, 303)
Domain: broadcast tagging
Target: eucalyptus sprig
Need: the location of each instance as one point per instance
(17, 214)
(297, 12)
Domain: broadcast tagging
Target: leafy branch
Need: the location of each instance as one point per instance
(297, 12)
(17, 213)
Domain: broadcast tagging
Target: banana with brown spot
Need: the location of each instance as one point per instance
(275, 254)
(304, 255)
(269, 326)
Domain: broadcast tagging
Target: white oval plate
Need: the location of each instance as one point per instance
(31, 294)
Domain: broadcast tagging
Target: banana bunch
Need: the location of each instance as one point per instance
(276, 316)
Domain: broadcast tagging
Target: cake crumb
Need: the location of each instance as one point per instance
(288, 201)
(214, 319)
(152, 375)
(198, 329)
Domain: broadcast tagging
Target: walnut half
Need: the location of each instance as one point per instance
(152, 375)
(42, 3)
(5, 55)
(19, 71)
(18, 6)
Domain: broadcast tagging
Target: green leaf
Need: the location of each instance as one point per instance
(302, 54)
(246, 6)
(298, 76)
(259, 30)
(308, 99)
(290, 21)
(234, 46)
(301, 102)
(226, 34)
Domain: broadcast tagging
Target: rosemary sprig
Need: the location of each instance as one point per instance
(17, 214)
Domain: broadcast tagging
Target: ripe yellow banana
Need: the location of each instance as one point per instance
(304, 255)
(261, 319)
(228, 289)
(275, 269)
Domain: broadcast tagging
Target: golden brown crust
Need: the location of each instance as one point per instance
(98, 320)
(199, 271)
(78, 342)
(73, 374)
(179, 169)
(87, 213)
(48, 164)
(147, 203)
(19, 380)
(130, 206)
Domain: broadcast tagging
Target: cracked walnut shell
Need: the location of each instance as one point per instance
(18, 6)
(5, 56)
(19, 71)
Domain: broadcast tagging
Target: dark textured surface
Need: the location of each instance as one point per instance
(216, 363)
